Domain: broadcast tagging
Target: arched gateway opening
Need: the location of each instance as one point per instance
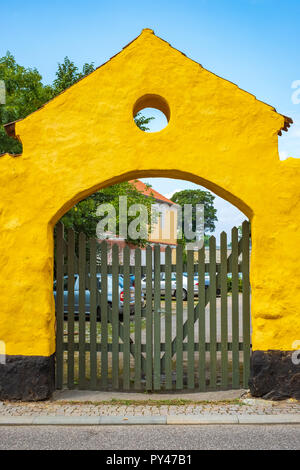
(217, 135)
(162, 314)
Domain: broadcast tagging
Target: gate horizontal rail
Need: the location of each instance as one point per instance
(162, 347)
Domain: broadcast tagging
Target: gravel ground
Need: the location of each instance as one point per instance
(246, 406)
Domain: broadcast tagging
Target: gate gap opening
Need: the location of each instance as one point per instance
(117, 343)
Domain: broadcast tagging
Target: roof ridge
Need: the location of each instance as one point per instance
(10, 127)
(147, 191)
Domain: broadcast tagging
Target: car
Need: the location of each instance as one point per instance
(131, 279)
(173, 285)
(184, 284)
(207, 283)
(87, 296)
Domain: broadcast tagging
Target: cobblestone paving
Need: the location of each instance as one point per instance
(249, 407)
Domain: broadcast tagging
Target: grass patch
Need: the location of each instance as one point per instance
(98, 330)
(151, 402)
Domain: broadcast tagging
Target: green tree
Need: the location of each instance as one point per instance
(68, 73)
(82, 217)
(142, 121)
(25, 93)
(194, 197)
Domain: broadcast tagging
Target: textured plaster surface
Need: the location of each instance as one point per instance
(218, 136)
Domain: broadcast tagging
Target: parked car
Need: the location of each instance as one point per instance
(131, 279)
(173, 285)
(87, 296)
(207, 283)
(184, 284)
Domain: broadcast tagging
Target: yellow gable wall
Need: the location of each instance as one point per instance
(218, 136)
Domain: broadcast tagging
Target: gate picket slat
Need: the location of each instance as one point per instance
(126, 320)
(71, 272)
(157, 319)
(137, 320)
(149, 320)
(82, 319)
(93, 314)
(190, 319)
(224, 312)
(168, 318)
(212, 312)
(115, 317)
(246, 302)
(179, 320)
(59, 305)
(235, 309)
(104, 316)
(202, 326)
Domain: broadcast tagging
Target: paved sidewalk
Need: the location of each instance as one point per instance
(115, 411)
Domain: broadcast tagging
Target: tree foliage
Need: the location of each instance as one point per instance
(82, 217)
(194, 197)
(25, 93)
(68, 73)
(142, 121)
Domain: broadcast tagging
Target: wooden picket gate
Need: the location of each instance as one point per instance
(201, 344)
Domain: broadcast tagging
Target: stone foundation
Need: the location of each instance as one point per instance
(274, 376)
(27, 378)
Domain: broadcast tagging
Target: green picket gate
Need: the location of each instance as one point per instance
(161, 342)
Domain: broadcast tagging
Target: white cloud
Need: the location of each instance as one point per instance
(169, 195)
(283, 155)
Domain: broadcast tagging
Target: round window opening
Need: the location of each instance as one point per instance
(151, 113)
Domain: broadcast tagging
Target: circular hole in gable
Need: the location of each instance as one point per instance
(151, 113)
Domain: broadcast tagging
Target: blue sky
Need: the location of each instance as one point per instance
(254, 43)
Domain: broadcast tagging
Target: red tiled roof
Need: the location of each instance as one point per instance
(144, 189)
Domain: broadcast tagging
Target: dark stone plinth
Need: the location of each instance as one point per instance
(27, 378)
(274, 375)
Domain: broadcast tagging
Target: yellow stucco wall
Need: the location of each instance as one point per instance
(218, 136)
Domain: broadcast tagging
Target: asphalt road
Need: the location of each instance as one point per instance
(150, 437)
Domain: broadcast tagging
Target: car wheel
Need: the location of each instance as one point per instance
(184, 294)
